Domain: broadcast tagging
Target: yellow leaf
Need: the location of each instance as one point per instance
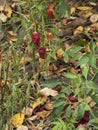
(43, 113)
(13, 39)
(8, 11)
(73, 9)
(59, 53)
(12, 33)
(17, 120)
(24, 60)
(84, 8)
(78, 30)
(38, 102)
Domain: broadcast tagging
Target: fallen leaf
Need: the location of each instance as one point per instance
(48, 92)
(38, 102)
(78, 30)
(12, 33)
(8, 11)
(81, 127)
(95, 26)
(13, 39)
(27, 111)
(3, 17)
(32, 118)
(92, 3)
(73, 9)
(59, 53)
(94, 18)
(1, 8)
(17, 120)
(43, 113)
(22, 127)
(84, 8)
(24, 60)
(49, 106)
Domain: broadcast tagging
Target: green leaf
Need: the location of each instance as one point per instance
(57, 111)
(70, 75)
(73, 50)
(83, 60)
(64, 7)
(68, 111)
(51, 83)
(80, 111)
(92, 46)
(66, 57)
(77, 56)
(66, 90)
(59, 103)
(92, 60)
(85, 71)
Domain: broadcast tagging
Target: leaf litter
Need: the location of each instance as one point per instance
(82, 24)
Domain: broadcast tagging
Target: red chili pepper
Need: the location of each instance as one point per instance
(36, 38)
(50, 11)
(42, 52)
(72, 99)
(50, 35)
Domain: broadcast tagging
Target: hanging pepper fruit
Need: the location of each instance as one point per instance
(42, 52)
(36, 38)
(50, 11)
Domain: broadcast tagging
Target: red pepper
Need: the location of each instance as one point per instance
(72, 99)
(36, 38)
(42, 52)
(50, 11)
(50, 35)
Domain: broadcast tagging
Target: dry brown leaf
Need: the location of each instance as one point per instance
(43, 113)
(49, 106)
(17, 120)
(38, 102)
(22, 127)
(95, 26)
(27, 111)
(81, 127)
(48, 92)
(3, 17)
(78, 30)
(59, 53)
(73, 70)
(32, 118)
(8, 11)
(88, 99)
(84, 8)
(94, 18)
